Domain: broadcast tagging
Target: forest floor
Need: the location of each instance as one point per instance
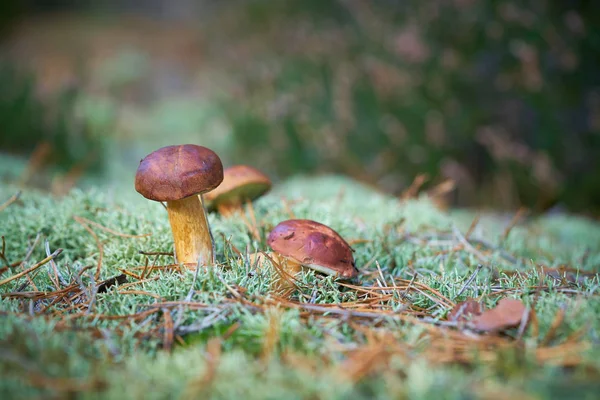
(104, 313)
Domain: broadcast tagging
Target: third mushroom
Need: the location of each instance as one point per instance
(307, 243)
(241, 183)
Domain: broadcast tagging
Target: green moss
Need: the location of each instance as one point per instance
(124, 358)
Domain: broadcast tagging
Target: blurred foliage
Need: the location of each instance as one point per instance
(502, 97)
(60, 131)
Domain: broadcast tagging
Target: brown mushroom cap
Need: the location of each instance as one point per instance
(240, 183)
(314, 245)
(176, 172)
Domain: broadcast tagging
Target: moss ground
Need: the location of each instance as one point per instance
(222, 332)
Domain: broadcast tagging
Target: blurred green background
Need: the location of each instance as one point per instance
(502, 98)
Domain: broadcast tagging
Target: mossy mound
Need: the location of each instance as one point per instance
(222, 332)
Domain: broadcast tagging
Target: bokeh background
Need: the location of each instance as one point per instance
(496, 103)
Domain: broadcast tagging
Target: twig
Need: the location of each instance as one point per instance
(234, 327)
(405, 295)
(524, 323)
(57, 272)
(141, 292)
(83, 223)
(3, 255)
(126, 272)
(126, 284)
(413, 189)
(341, 311)
(27, 257)
(468, 245)
(10, 200)
(254, 224)
(33, 268)
(190, 293)
(381, 275)
(477, 241)
(156, 253)
(115, 280)
(513, 222)
(169, 330)
(556, 323)
(25, 295)
(472, 227)
(229, 288)
(93, 291)
(187, 299)
(145, 270)
(313, 296)
(468, 282)
(206, 322)
(84, 290)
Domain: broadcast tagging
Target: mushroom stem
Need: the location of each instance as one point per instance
(228, 209)
(289, 268)
(284, 272)
(191, 233)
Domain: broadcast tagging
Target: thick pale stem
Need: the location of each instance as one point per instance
(191, 233)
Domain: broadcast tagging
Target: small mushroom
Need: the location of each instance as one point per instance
(241, 183)
(178, 175)
(308, 243)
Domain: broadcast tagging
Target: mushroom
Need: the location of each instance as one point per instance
(307, 243)
(179, 175)
(241, 183)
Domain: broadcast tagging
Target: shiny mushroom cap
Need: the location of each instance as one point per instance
(176, 172)
(240, 184)
(313, 245)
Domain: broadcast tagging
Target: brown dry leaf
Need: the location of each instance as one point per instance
(507, 314)
(465, 310)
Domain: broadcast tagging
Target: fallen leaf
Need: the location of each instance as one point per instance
(507, 314)
(465, 310)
